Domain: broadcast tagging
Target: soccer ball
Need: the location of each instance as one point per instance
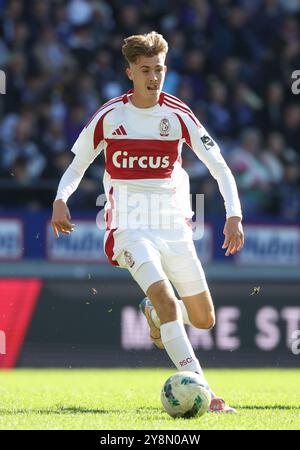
(185, 395)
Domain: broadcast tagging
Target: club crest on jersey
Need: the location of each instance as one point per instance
(129, 258)
(164, 127)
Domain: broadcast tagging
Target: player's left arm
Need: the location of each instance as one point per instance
(234, 235)
(209, 153)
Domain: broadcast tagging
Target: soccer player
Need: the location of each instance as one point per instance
(141, 134)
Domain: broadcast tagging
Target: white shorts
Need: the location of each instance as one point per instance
(154, 255)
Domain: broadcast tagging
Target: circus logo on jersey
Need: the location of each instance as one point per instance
(123, 160)
(164, 127)
(141, 158)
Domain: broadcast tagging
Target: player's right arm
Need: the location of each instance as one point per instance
(85, 153)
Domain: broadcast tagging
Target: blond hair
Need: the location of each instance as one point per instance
(150, 44)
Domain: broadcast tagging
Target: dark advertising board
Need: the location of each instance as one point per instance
(98, 324)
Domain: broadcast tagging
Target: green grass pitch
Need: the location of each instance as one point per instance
(129, 399)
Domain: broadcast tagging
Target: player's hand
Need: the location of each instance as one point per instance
(234, 235)
(61, 219)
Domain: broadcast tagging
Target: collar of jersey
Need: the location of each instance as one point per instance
(125, 99)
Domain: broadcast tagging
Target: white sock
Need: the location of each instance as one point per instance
(176, 342)
(178, 346)
(185, 316)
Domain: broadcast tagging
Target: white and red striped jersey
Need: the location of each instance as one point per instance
(142, 148)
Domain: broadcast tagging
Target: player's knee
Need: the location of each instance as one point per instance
(210, 323)
(160, 292)
(204, 323)
(167, 304)
(164, 301)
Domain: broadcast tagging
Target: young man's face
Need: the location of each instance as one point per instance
(147, 74)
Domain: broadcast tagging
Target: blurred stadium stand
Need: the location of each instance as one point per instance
(232, 63)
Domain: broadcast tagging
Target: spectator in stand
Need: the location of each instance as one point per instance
(252, 175)
(54, 140)
(271, 117)
(23, 146)
(291, 126)
(273, 157)
(289, 192)
(218, 110)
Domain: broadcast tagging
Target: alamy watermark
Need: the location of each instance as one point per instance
(126, 209)
(295, 347)
(2, 82)
(2, 343)
(296, 83)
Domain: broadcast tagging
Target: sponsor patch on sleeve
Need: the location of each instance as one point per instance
(207, 141)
